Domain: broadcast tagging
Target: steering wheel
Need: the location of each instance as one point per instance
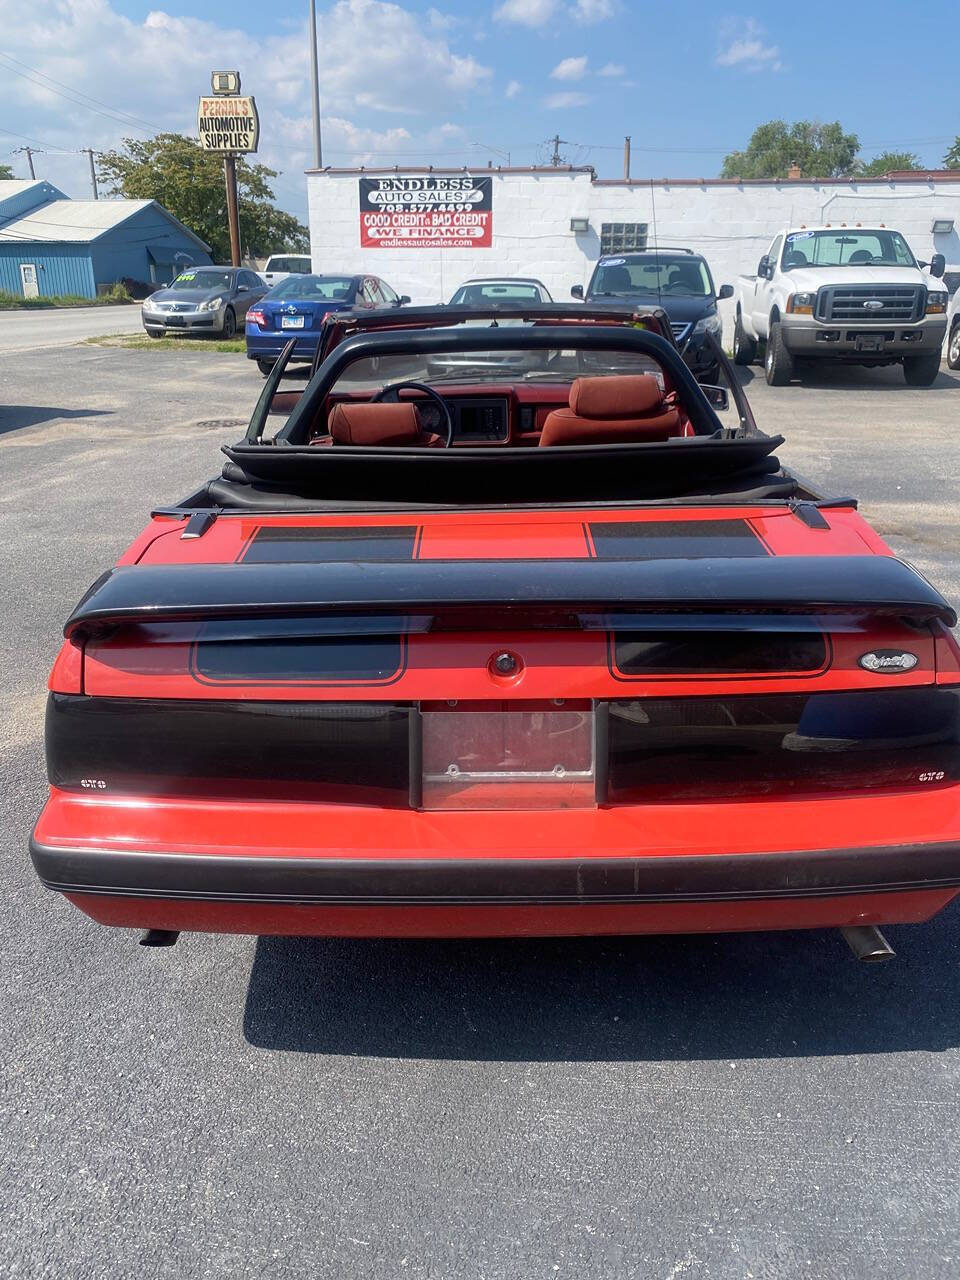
(390, 394)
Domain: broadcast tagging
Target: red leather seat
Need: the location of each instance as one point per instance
(383, 424)
(612, 411)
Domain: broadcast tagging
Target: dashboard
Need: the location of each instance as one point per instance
(475, 418)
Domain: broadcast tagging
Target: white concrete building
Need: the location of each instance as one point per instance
(532, 214)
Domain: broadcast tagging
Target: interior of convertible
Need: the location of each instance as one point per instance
(490, 413)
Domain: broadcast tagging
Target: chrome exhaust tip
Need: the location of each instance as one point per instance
(159, 938)
(867, 943)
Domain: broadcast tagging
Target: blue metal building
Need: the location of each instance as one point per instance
(50, 245)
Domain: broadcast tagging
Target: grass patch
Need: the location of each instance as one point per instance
(117, 296)
(143, 342)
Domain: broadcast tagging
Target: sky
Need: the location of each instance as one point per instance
(475, 81)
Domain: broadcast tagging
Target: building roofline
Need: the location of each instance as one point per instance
(904, 176)
(911, 176)
(481, 171)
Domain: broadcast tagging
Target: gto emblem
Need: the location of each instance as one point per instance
(888, 661)
(873, 304)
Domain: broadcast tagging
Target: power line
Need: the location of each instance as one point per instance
(74, 96)
(38, 142)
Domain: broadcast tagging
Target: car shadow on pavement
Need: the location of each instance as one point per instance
(13, 417)
(851, 378)
(607, 999)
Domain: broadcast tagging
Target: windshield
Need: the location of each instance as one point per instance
(472, 294)
(204, 281)
(843, 248)
(656, 274)
(307, 288)
(508, 366)
(288, 264)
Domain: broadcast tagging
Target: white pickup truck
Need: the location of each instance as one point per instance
(854, 294)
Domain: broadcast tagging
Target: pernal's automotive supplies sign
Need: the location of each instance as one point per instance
(426, 212)
(228, 124)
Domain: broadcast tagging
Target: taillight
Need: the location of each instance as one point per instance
(722, 748)
(346, 753)
(257, 316)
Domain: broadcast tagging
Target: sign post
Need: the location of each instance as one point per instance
(228, 123)
(233, 211)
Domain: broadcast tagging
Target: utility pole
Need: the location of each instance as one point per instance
(28, 152)
(626, 159)
(233, 213)
(556, 160)
(93, 173)
(315, 88)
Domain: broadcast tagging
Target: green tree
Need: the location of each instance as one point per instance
(952, 159)
(188, 182)
(6, 173)
(889, 162)
(819, 150)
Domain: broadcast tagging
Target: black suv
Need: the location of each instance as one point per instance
(678, 280)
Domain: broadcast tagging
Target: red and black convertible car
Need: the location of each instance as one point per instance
(549, 644)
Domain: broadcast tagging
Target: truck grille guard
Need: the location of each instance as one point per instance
(855, 304)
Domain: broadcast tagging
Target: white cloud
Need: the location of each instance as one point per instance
(438, 21)
(526, 13)
(512, 89)
(570, 69)
(154, 70)
(742, 44)
(559, 101)
(612, 69)
(589, 11)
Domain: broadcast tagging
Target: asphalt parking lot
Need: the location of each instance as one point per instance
(735, 1106)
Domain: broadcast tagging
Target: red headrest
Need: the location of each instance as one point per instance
(624, 397)
(375, 424)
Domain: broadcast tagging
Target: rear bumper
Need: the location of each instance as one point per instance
(268, 346)
(438, 881)
(811, 339)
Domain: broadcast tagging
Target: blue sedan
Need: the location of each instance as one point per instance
(297, 306)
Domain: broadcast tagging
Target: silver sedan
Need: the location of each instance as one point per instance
(212, 300)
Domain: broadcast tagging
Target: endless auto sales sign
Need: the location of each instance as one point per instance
(426, 212)
(228, 124)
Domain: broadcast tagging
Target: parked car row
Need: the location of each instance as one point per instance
(855, 295)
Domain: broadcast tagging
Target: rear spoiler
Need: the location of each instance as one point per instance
(545, 593)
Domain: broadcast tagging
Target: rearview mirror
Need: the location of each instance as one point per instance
(717, 396)
(764, 267)
(577, 291)
(243, 288)
(938, 264)
(404, 299)
(726, 291)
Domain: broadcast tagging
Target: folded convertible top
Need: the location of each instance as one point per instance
(786, 584)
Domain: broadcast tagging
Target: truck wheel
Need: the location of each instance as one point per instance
(778, 362)
(953, 349)
(921, 371)
(744, 348)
